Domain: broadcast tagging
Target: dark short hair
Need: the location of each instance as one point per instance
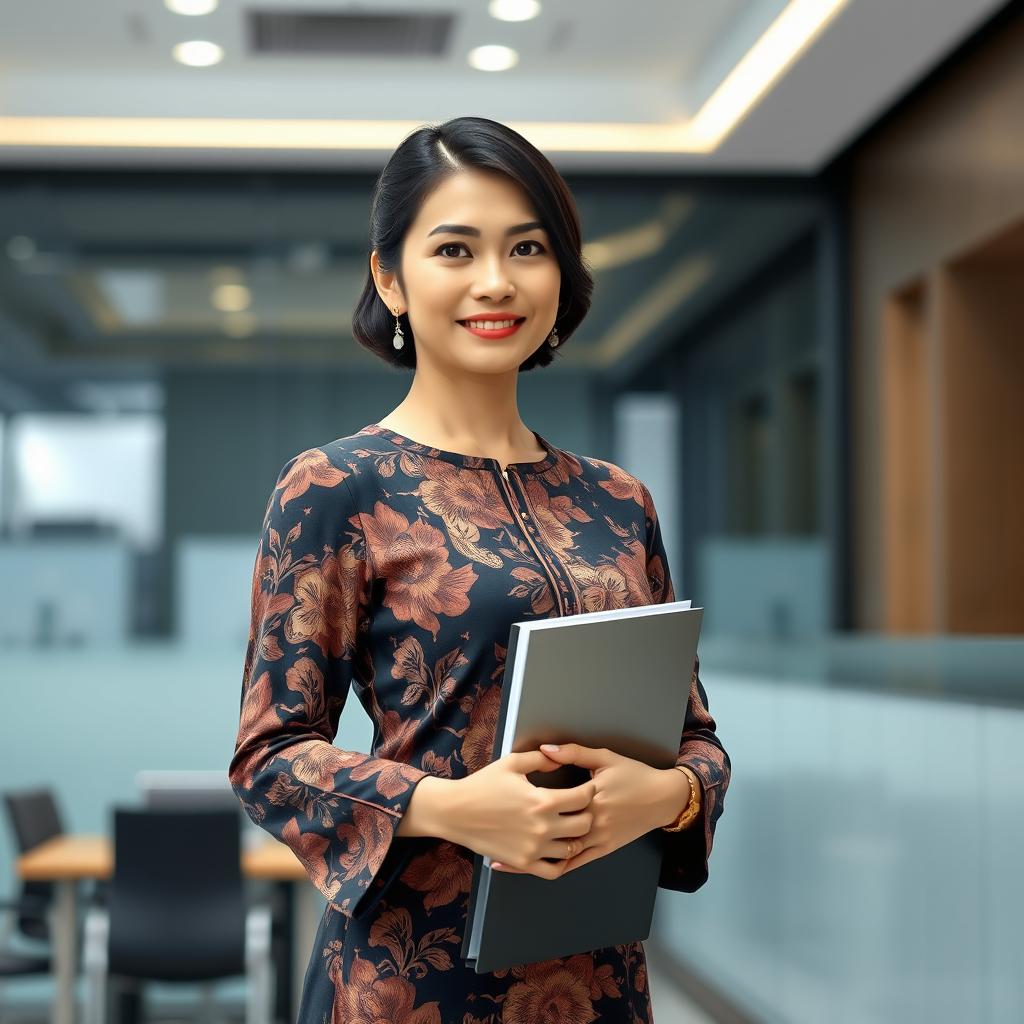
(422, 161)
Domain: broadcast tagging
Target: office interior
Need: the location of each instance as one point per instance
(805, 339)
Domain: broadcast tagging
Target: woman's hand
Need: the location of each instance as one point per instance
(628, 801)
(499, 813)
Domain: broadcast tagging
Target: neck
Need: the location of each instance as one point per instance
(477, 416)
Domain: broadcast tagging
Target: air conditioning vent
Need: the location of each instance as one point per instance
(349, 34)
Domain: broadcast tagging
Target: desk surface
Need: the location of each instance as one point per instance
(80, 857)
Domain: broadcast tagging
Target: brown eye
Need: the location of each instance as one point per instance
(531, 242)
(450, 245)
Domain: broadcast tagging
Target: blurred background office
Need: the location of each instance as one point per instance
(806, 225)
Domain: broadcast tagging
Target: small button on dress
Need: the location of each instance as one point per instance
(393, 571)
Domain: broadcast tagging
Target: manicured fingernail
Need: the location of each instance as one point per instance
(495, 864)
(549, 746)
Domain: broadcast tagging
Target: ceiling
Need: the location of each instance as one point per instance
(643, 69)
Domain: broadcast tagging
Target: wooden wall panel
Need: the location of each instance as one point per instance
(981, 339)
(908, 445)
(940, 181)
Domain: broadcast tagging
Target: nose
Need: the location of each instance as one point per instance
(493, 282)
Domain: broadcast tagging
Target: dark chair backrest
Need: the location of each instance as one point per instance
(177, 902)
(34, 818)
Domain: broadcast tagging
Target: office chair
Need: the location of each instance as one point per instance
(176, 909)
(198, 790)
(33, 819)
(30, 915)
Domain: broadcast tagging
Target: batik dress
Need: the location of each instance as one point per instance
(393, 571)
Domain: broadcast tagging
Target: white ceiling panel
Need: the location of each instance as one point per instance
(581, 63)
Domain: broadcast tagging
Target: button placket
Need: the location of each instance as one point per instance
(557, 585)
(557, 568)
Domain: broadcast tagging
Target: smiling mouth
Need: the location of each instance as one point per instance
(488, 325)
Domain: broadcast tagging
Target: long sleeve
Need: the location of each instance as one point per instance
(684, 865)
(338, 810)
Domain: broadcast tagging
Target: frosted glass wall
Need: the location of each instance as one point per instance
(867, 865)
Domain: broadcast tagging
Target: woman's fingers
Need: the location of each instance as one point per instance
(526, 761)
(566, 810)
(584, 857)
(575, 798)
(574, 829)
(554, 869)
(541, 868)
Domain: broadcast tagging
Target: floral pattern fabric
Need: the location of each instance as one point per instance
(394, 571)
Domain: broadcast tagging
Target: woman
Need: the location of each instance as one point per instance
(394, 560)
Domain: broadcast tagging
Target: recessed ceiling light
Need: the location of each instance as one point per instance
(513, 10)
(198, 53)
(493, 58)
(231, 298)
(191, 6)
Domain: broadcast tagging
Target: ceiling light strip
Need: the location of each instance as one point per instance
(792, 32)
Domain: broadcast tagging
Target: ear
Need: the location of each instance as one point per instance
(387, 284)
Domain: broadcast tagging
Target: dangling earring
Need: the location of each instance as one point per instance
(399, 339)
(553, 337)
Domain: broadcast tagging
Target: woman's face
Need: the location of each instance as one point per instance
(459, 260)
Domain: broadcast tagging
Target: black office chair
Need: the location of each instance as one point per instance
(30, 916)
(33, 818)
(176, 910)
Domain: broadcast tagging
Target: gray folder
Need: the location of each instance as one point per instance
(618, 679)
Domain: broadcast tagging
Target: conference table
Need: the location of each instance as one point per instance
(68, 860)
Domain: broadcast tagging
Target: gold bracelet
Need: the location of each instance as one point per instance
(692, 808)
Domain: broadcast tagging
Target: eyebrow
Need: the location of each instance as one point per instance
(465, 229)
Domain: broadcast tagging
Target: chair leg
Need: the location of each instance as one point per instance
(258, 969)
(97, 931)
(130, 1001)
(206, 1003)
(5, 938)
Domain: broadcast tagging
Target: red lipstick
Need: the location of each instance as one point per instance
(492, 333)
